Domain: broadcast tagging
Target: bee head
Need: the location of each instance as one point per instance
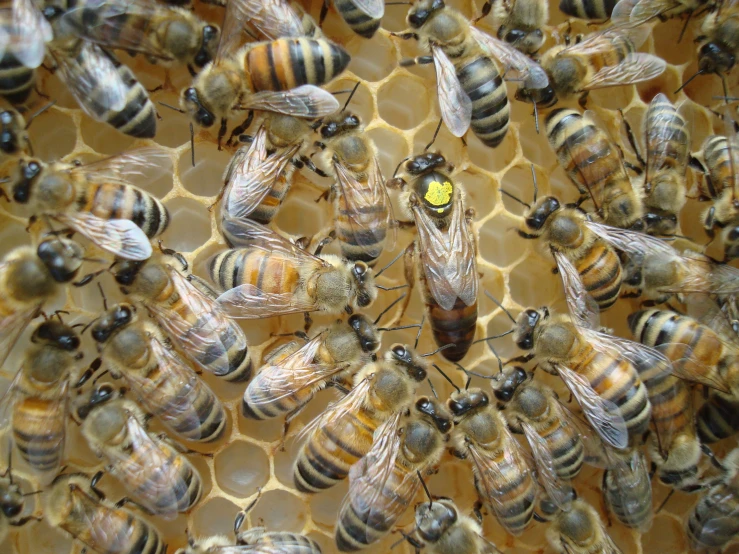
(365, 284)
(11, 501)
(11, 128)
(62, 258)
(422, 10)
(366, 332)
(428, 161)
(526, 325)
(207, 46)
(731, 243)
(117, 317)
(526, 41)
(29, 170)
(713, 57)
(435, 410)
(542, 97)
(659, 224)
(540, 212)
(506, 384)
(56, 333)
(345, 122)
(126, 271)
(99, 396)
(403, 355)
(192, 105)
(434, 519)
(466, 400)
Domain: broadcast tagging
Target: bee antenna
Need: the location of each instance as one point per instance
(493, 337)
(351, 95)
(398, 3)
(500, 362)
(425, 488)
(406, 536)
(664, 502)
(9, 471)
(471, 374)
(170, 107)
(39, 112)
(433, 139)
(391, 288)
(395, 259)
(433, 390)
(445, 376)
(386, 310)
(192, 144)
(533, 176)
(509, 195)
(397, 168)
(102, 293)
(451, 345)
(420, 328)
(497, 303)
(536, 118)
(686, 83)
(467, 384)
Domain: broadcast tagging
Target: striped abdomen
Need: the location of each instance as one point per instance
(585, 152)
(361, 23)
(253, 266)
(483, 84)
(16, 80)
(601, 274)
(565, 445)
(629, 494)
(39, 427)
(718, 417)
(455, 326)
(616, 380)
(287, 543)
(288, 63)
(718, 154)
(356, 529)
(109, 530)
(671, 146)
(713, 521)
(331, 450)
(361, 230)
(267, 209)
(588, 9)
(117, 201)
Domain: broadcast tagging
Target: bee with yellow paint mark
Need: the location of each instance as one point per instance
(444, 255)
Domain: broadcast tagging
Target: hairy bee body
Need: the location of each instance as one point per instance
(580, 531)
(719, 39)
(16, 79)
(163, 383)
(476, 71)
(339, 440)
(445, 530)
(564, 230)
(520, 23)
(721, 159)
(11, 505)
(14, 139)
(594, 166)
(273, 541)
(210, 337)
(358, 19)
(155, 474)
(627, 490)
(588, 9)
(72, 506)
(718, 417)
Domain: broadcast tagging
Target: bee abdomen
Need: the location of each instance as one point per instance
(259, 400)
(145, 539)
(361, 23)
(718, 417)
(630, 513)
(38, 431)
(714, 512)
(288, 63)
(211, 417)
(519, 493)
(116, 201)
(587, 9)
(490, 111)
(270, 205)
(601, 275)
(568, 454)
(455, 326)
(16, 80)
(291, 543)
(361, 243)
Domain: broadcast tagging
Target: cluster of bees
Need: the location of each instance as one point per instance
(618, 239)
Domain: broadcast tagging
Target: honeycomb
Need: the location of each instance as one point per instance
(400, 111)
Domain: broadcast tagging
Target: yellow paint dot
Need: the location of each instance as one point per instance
(438, 194)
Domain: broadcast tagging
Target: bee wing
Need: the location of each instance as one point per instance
(686, 365)
(632, 242)
(494, 484)
(369, 476)
(454, 104)
(121, 237)
(235, 22)
(363, 202)
(556, 488)
(583, 308)
(106, 531)
(30, 31)
(515, 63)
(11, 327)
(249, 302)
(631, 476)
(95, 81)
(203, 338)
(603, 415)
(596, 453)
(372, 8)
(649, 9)
(448, 258)
(661, 135)
(144, 456)
(634, 68)
(307, 101)
(114, 24)
(137, 163)
(271, 18)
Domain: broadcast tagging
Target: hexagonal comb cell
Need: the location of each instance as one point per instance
(393, 105)
(241, 468)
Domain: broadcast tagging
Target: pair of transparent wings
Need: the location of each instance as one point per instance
(24, 33)
(448, 257)
(202, 339)
(661, 133)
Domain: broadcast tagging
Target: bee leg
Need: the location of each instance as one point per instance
(41, 94)
(715, 461)
(324, 196)
(632, 139)
(606, 510)
(538, 518)
(323, 14)
(87, 279)
(24, 520)
(286, 427)
(156, 89)
(420, 60)
(710, 222)
(310, 165)
(324, 242)
(125, 501)
(239, 130)
(93, 485)
(486, 7)
(477, 510)
(410, 274)
(89, 372)
(222, 132)
(308, 321)
(583, 100)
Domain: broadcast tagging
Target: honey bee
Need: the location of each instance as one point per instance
(594, 165)
(580, 531)
(160, 379)
(14, 139)
(645, 10)
(157, 475)
(23, 36)
(503, 478)
(11, 505)
(170, 34)
(627, 489)
(290, 378)
(75, 506)
(281, 75)
(28, 278)
(444, 255)
(35, 407)
(384, 482)
(718, 417)
(260, 175)
(713, 523)
(718, 42)
(519, 22)
(272, 277)
(340, 436)
(363, 16)
(667, 139)
(599, 369)
(192, 319)
(364, 216)
(603, 59)
(96, 200)
(470, 88)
